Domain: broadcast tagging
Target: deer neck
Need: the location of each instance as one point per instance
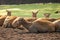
(27, 24)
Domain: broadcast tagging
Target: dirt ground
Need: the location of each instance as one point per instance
(17, 34)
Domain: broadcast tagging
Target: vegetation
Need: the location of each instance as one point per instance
(25, 10)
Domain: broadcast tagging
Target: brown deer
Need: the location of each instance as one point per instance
(57, 25)
(16, 23)
(46, 17)
(38, 25)
(49, 19)
(2, 18)
(30, 19)
(8, 21)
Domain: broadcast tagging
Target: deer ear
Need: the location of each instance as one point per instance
(37, 11)
(32, 12)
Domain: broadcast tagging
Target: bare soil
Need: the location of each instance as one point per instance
(17, 34)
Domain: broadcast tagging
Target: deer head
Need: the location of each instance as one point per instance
(47, 15)
(34, 13)
(8, 12)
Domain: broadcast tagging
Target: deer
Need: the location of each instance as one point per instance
(38, 25)
(8, 21)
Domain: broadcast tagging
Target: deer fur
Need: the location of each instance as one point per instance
(38, 25)
(57, 25)
(8, 21)
(2, 18)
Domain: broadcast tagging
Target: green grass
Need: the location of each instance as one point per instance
(25, 10)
